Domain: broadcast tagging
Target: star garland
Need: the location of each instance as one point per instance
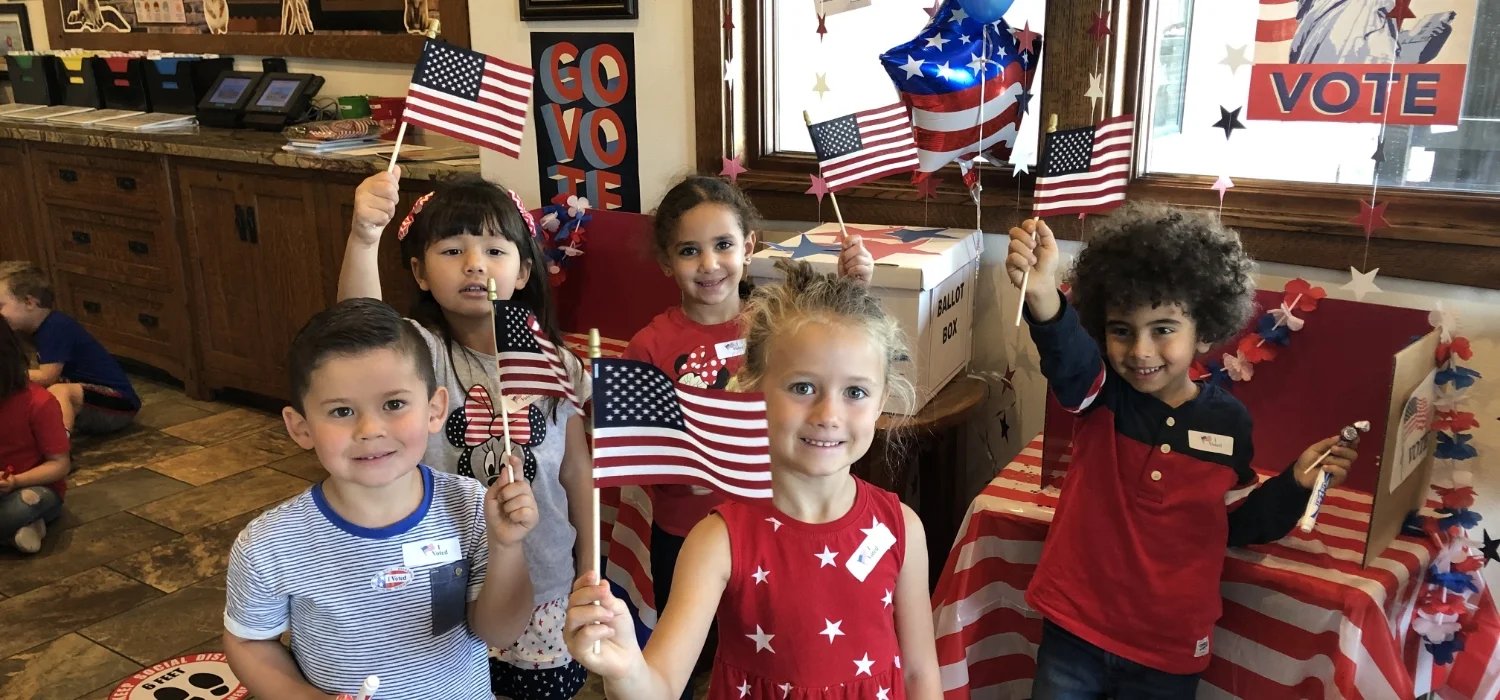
(1445, 615)
(1274, 328)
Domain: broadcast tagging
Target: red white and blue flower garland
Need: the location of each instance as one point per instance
(1444, 614)
(561, 230)
(1274, 328)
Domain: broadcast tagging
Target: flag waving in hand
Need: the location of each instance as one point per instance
(651, 430)
(1084, 171)
(469, 96)
(530, 363)
(865, 146)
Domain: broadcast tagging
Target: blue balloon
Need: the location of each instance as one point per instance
(985, 11)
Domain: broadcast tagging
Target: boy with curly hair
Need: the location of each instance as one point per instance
(1128, 582)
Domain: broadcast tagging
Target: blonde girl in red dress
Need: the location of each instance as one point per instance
(822, 594)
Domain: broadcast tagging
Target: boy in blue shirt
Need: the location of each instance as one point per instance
(95, 394)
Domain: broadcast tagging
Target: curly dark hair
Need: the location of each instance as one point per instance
(1148, 253)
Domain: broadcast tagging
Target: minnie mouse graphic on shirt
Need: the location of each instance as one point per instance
(478, 430)
(703, 368)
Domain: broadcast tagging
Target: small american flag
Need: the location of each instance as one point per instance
(1415, 416)
(865, 146)
(1084, 171)
(651, 430)
(529, 361)
(469, 96)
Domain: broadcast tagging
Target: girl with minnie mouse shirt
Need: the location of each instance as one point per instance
(704, 237)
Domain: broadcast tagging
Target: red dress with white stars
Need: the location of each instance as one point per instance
(796, 622)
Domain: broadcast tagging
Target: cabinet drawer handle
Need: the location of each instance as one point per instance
(125, 183)
(91, 307)
(68, 175)
(82, 238)
(253, 225)
(138, 247)
(147, 320)
(239, 223)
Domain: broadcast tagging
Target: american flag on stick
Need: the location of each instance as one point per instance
(530, 363)
(469, 96)
(651, 430)
(865, 146)
(1085, 170)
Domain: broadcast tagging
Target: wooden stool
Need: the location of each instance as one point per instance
(927, 465)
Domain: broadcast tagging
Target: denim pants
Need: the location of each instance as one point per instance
(1069, 668)
(16, 513)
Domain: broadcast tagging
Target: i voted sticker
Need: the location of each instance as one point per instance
(878, 540)
(431, 552)
(1211, 442)
(730, 348)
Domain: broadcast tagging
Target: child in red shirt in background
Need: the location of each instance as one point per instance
(33, 451)
(704, 237)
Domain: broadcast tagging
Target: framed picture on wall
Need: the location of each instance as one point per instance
(533, 10)
(15, 31)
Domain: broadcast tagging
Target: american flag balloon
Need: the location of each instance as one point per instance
(938, 75)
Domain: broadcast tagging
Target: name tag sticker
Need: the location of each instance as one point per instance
(730, 348)
(431, 552)
(1211, 442)
(1201, 649)
(878, 540)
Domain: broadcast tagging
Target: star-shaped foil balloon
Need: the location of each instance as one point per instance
(1229, 120)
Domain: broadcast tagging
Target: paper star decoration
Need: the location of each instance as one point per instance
(760, 575)
(1229, 121)
(1401, 12)
(912, 235)
(1020, 159)
(931, 11)
(731, 70)
(826, 557)
(728, 20)
(804, 248)
(1095, 92)
(863, 665)
(819, 188)
(1101, 26)
(1026, 39)
(880, 250)
(1023, 101)
(1379, 156)
(732, 169)
(831, 629)
(1362, 283)
(1491, 548)
(762, 640)
(1222, 185)
(1234, 57)
(822, 27)
(928, 187)
(1004, 427)
(1371, 217)
(821, 86)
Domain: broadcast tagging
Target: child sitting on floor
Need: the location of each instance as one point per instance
(1128, 582)
(95, 394)
(388, 567)
(33, 451)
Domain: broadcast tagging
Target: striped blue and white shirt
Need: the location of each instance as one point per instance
(359, 601)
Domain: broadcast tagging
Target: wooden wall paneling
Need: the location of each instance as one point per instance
(708, 78)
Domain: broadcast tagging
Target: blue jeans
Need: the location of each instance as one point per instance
(1069, 668)
(16, 513)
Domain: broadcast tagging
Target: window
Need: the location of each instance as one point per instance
(848, 60)
(1329, 70)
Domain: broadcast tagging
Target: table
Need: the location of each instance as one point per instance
(1301, 618)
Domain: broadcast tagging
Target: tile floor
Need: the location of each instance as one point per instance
(133, 572)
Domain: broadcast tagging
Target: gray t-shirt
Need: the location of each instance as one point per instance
(470, 444)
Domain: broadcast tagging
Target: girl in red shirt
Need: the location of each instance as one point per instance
(822, 594)
(33, 451)
(705, 233)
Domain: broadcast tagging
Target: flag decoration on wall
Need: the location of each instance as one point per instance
(1084, 170)
(938, 75)
(530, 363)
(651, 430)
(864, 146)
(469, 96)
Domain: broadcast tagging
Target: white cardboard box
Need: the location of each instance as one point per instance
(924, 277)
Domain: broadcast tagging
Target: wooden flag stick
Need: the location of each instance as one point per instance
(432, 32)
(1036, 221)
(594, 354)
(510, 475)
(843, 230)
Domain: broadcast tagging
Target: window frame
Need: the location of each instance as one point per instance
(1285, 222)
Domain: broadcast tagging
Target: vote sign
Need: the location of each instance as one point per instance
(585, 109)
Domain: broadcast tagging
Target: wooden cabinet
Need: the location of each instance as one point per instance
(18, 234)
(254, 247)
(397, 287)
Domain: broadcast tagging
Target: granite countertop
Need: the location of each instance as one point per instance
(237, 145)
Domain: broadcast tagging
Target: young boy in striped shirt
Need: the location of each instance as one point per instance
(387, 567)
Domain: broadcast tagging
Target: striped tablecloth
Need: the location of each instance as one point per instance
(1301, 618)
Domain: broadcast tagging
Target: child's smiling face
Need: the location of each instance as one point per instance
(1152, 348)
(709, 255)
(824, 387)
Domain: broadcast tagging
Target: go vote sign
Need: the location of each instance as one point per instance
(584, 103)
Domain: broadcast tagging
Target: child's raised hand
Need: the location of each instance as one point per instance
(1340, 459)
(1039, 256)
(614, 632)
(375, 205)
(855, 261)
(509, 506)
